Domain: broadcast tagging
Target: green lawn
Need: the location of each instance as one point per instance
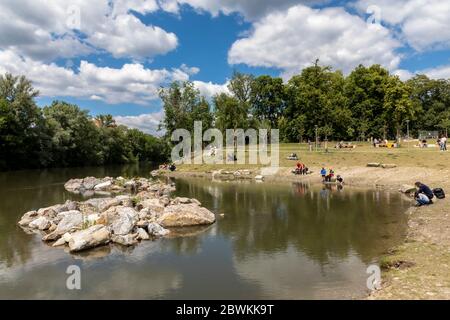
(361, 155)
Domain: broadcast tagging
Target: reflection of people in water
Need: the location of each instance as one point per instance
(324, 192)
(300, 188)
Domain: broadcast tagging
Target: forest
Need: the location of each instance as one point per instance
(367, 103)
(63, 135)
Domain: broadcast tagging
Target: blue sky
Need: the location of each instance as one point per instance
(113, 56)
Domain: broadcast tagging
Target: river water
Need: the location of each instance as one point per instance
(273, 241)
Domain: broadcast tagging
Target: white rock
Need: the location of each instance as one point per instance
(41, 223)
(103, 186)
(27, 218)
(123, 220)
(89, 238)
(126, 240)
(142, 234)
(71, 220)
(185, 215)
(156, 230)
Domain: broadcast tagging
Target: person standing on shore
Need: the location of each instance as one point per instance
(323, 173)
(444, 143)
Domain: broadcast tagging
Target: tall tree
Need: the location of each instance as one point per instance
(183, 105)
(267, 99)
(365, 91)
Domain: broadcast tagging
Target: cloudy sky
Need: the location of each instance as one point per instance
(111, 56)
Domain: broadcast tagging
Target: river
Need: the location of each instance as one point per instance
(270, 241)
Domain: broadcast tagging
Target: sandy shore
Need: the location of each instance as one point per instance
(419, 268)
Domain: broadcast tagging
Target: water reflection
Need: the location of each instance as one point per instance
(273, 241)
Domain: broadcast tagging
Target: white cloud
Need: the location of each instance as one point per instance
(293, 39)
(249, 9)
(440, 72)
(424, 24)
(127, 36)
(209, 89)
(145, 122)
(132, 83)
(403, 74)
(45, 30)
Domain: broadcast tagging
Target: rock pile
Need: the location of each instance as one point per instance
(123, 219)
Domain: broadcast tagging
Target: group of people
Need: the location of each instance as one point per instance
(442, 142)
(166, 166)
(328, 176)
(301, 169)
(378, 142)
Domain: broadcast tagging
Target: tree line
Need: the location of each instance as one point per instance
(368, 103)
(61, 134)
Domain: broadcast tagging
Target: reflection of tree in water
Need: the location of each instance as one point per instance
(267, 218)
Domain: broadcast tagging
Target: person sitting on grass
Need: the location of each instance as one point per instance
(323, 173)
(300, 168)
(424, 189)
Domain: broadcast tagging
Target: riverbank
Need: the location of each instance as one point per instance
(417, 269)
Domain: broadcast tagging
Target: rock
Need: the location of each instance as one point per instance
(70, 221)
(66, 236)
(153, 204)
(142, 224)
(27, 218)
(125, 240)
(373, 164)
(142, 234)
(103, 186)
(130, 184)
(41, 223)
(183, 200)
(106, 204)
(121, 219)
(73, 185)
(157, 230)
(68, 206)
(185, 215)
(60, 242)
(89, 238)
(259, 177)
(406, 188)
(49, 212)
(89, 183)
(92, 218)
(388, 165)
(165, 201)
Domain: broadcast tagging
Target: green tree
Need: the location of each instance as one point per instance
(397, 105)
(267, 99)
(183, 105)
(317, 95)
(75, 136)
(23, 135)
(365, 90)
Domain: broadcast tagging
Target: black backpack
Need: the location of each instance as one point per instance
(439, 193)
